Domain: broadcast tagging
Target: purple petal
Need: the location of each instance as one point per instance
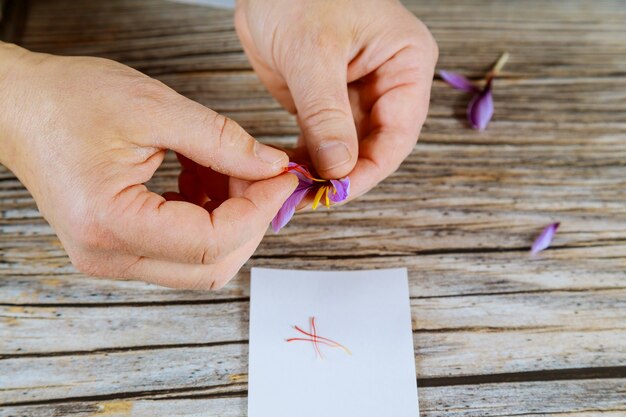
(545, 238)
(458, 81)
(480, 109)
(341, 190)
(289, 207)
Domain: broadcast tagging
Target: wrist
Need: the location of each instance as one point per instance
(11, 60)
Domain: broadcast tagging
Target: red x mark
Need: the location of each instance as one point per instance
(316, 340)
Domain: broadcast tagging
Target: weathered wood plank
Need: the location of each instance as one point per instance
(38, 379)
(43, 330)
(42, 276)
(555, 151)
(438, 354)
(454, 336)
(182, 38)
(579, 398)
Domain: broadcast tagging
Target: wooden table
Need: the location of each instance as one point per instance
(496, 333)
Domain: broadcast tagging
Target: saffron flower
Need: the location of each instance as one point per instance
(480, 107)
(545, 238)
(326, 191)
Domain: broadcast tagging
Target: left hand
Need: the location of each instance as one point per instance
(357, 73)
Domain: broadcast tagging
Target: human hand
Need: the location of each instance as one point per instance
(357, 73)
(84, 134)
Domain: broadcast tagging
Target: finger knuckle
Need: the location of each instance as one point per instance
(320, 111)
(89, 231)
(226, 134)
(150, 94)
(209, 282)
(432, 46)
(219, 124)
(225, 273)
(219, 282)
(427, 45)
(84, 261)
(210, 254)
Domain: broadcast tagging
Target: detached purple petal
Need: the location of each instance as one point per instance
(480, 109)
(458, 81)
(545, 238)
(343, 190)
(289, 207)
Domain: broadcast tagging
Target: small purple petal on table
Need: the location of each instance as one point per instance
(343, 190)
(545, 238)
(458, 81)
(480, 109)
(289, 207)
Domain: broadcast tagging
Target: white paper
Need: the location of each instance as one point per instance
(368, 312)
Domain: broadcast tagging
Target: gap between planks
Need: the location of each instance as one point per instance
(579, 374)
(247, 299)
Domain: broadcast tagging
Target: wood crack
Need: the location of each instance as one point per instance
(247, 299)
(188, 393)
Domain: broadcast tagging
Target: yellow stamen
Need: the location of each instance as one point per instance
(318, 197)
(500, 63)
(327, 199)
(497, 67)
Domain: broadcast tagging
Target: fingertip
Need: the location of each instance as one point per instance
(290, 182)
(273, 191)
(293, 178)
(275, 158)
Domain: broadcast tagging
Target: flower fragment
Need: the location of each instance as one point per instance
(458, 81)
(480, 108)
(544, 239)
(326, 191)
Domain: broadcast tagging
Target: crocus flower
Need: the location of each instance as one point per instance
(480, 107)
(545, 238)
(326, 191)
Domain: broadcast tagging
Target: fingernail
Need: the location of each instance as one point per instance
(332, 154)
(269, 155)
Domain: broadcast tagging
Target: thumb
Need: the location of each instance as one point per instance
(320, 91)
(217, 142)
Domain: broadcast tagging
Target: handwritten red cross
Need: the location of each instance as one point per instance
(317, 340)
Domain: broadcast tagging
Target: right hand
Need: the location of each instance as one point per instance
(84, 134)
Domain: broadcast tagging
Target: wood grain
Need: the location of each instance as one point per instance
(41, 330)
(44, 278)
(546, 39)
(496, 332)
(438, 356)
(570, 398)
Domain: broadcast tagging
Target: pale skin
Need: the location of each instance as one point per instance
(84, 134)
